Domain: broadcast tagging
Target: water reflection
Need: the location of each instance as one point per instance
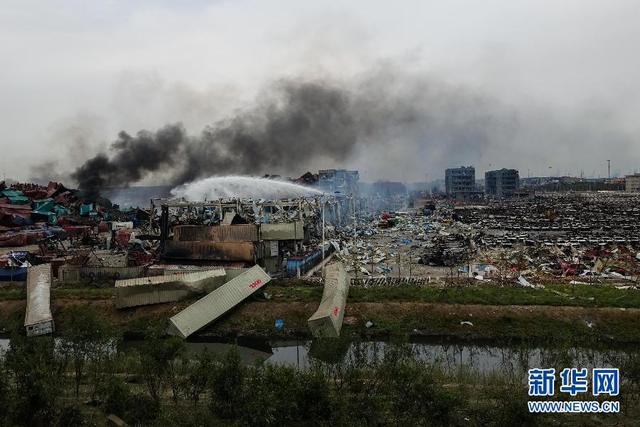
(450, 358)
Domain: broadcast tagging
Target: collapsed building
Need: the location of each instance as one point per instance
(242, 233)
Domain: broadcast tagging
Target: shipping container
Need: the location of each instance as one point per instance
(327, 320)
(38, 319)
(213, 251)
(166, 288)
(282, 231)
(216, 233)
(209, 308)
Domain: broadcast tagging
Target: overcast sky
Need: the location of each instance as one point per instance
(565, 74)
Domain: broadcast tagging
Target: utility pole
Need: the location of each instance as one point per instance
(323, 263)
(609, 169)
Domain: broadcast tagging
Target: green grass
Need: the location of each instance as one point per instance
(15, 293)
(554, 295)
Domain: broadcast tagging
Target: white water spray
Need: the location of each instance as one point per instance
(226, 187)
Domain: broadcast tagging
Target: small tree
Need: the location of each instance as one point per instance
(226, 386)
(156, 362)
(85, 338)
(196, 379)
(36, 374)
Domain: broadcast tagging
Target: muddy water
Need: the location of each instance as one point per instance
(448, 357)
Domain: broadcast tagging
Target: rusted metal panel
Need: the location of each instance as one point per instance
(214, 251)
(327, 320)
(282, 231)
(216, 233)
(38, 319)
(218, 302)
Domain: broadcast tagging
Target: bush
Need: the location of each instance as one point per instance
(142, 410)
(226, 385)
(71, 416)
(116, 396)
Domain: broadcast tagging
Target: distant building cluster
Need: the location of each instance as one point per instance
(460, 183)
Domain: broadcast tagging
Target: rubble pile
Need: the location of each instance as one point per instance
(556, 219)
(56, 224)
(593, 235)
(448, 250)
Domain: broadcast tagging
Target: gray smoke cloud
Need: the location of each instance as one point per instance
(294, 123)
(381, 122)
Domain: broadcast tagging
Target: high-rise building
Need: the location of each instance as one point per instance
(460, 182)
(502, 182)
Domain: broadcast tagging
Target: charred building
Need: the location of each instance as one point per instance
(460, 183)
(338, 181)
(501, 183)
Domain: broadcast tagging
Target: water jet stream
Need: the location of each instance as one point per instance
(235, 186)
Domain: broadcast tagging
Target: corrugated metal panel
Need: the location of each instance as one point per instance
(168, 288)
(39, 300)
(216, 233)
(69, 274)
(327, 320)
(232, 273)
(134, 297)
(164, 269)
(189, 279)
(282, 231)
(214, 251)
(218, 302)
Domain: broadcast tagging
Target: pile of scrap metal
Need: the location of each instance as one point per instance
(602, 262)
(583, 219)
(448, 250)
(240, 232)
(387, 220)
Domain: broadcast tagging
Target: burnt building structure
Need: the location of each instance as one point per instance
(460, 183)
(340, 181)
(501, 183)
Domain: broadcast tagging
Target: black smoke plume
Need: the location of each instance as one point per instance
(133, 158)
(298, 122)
